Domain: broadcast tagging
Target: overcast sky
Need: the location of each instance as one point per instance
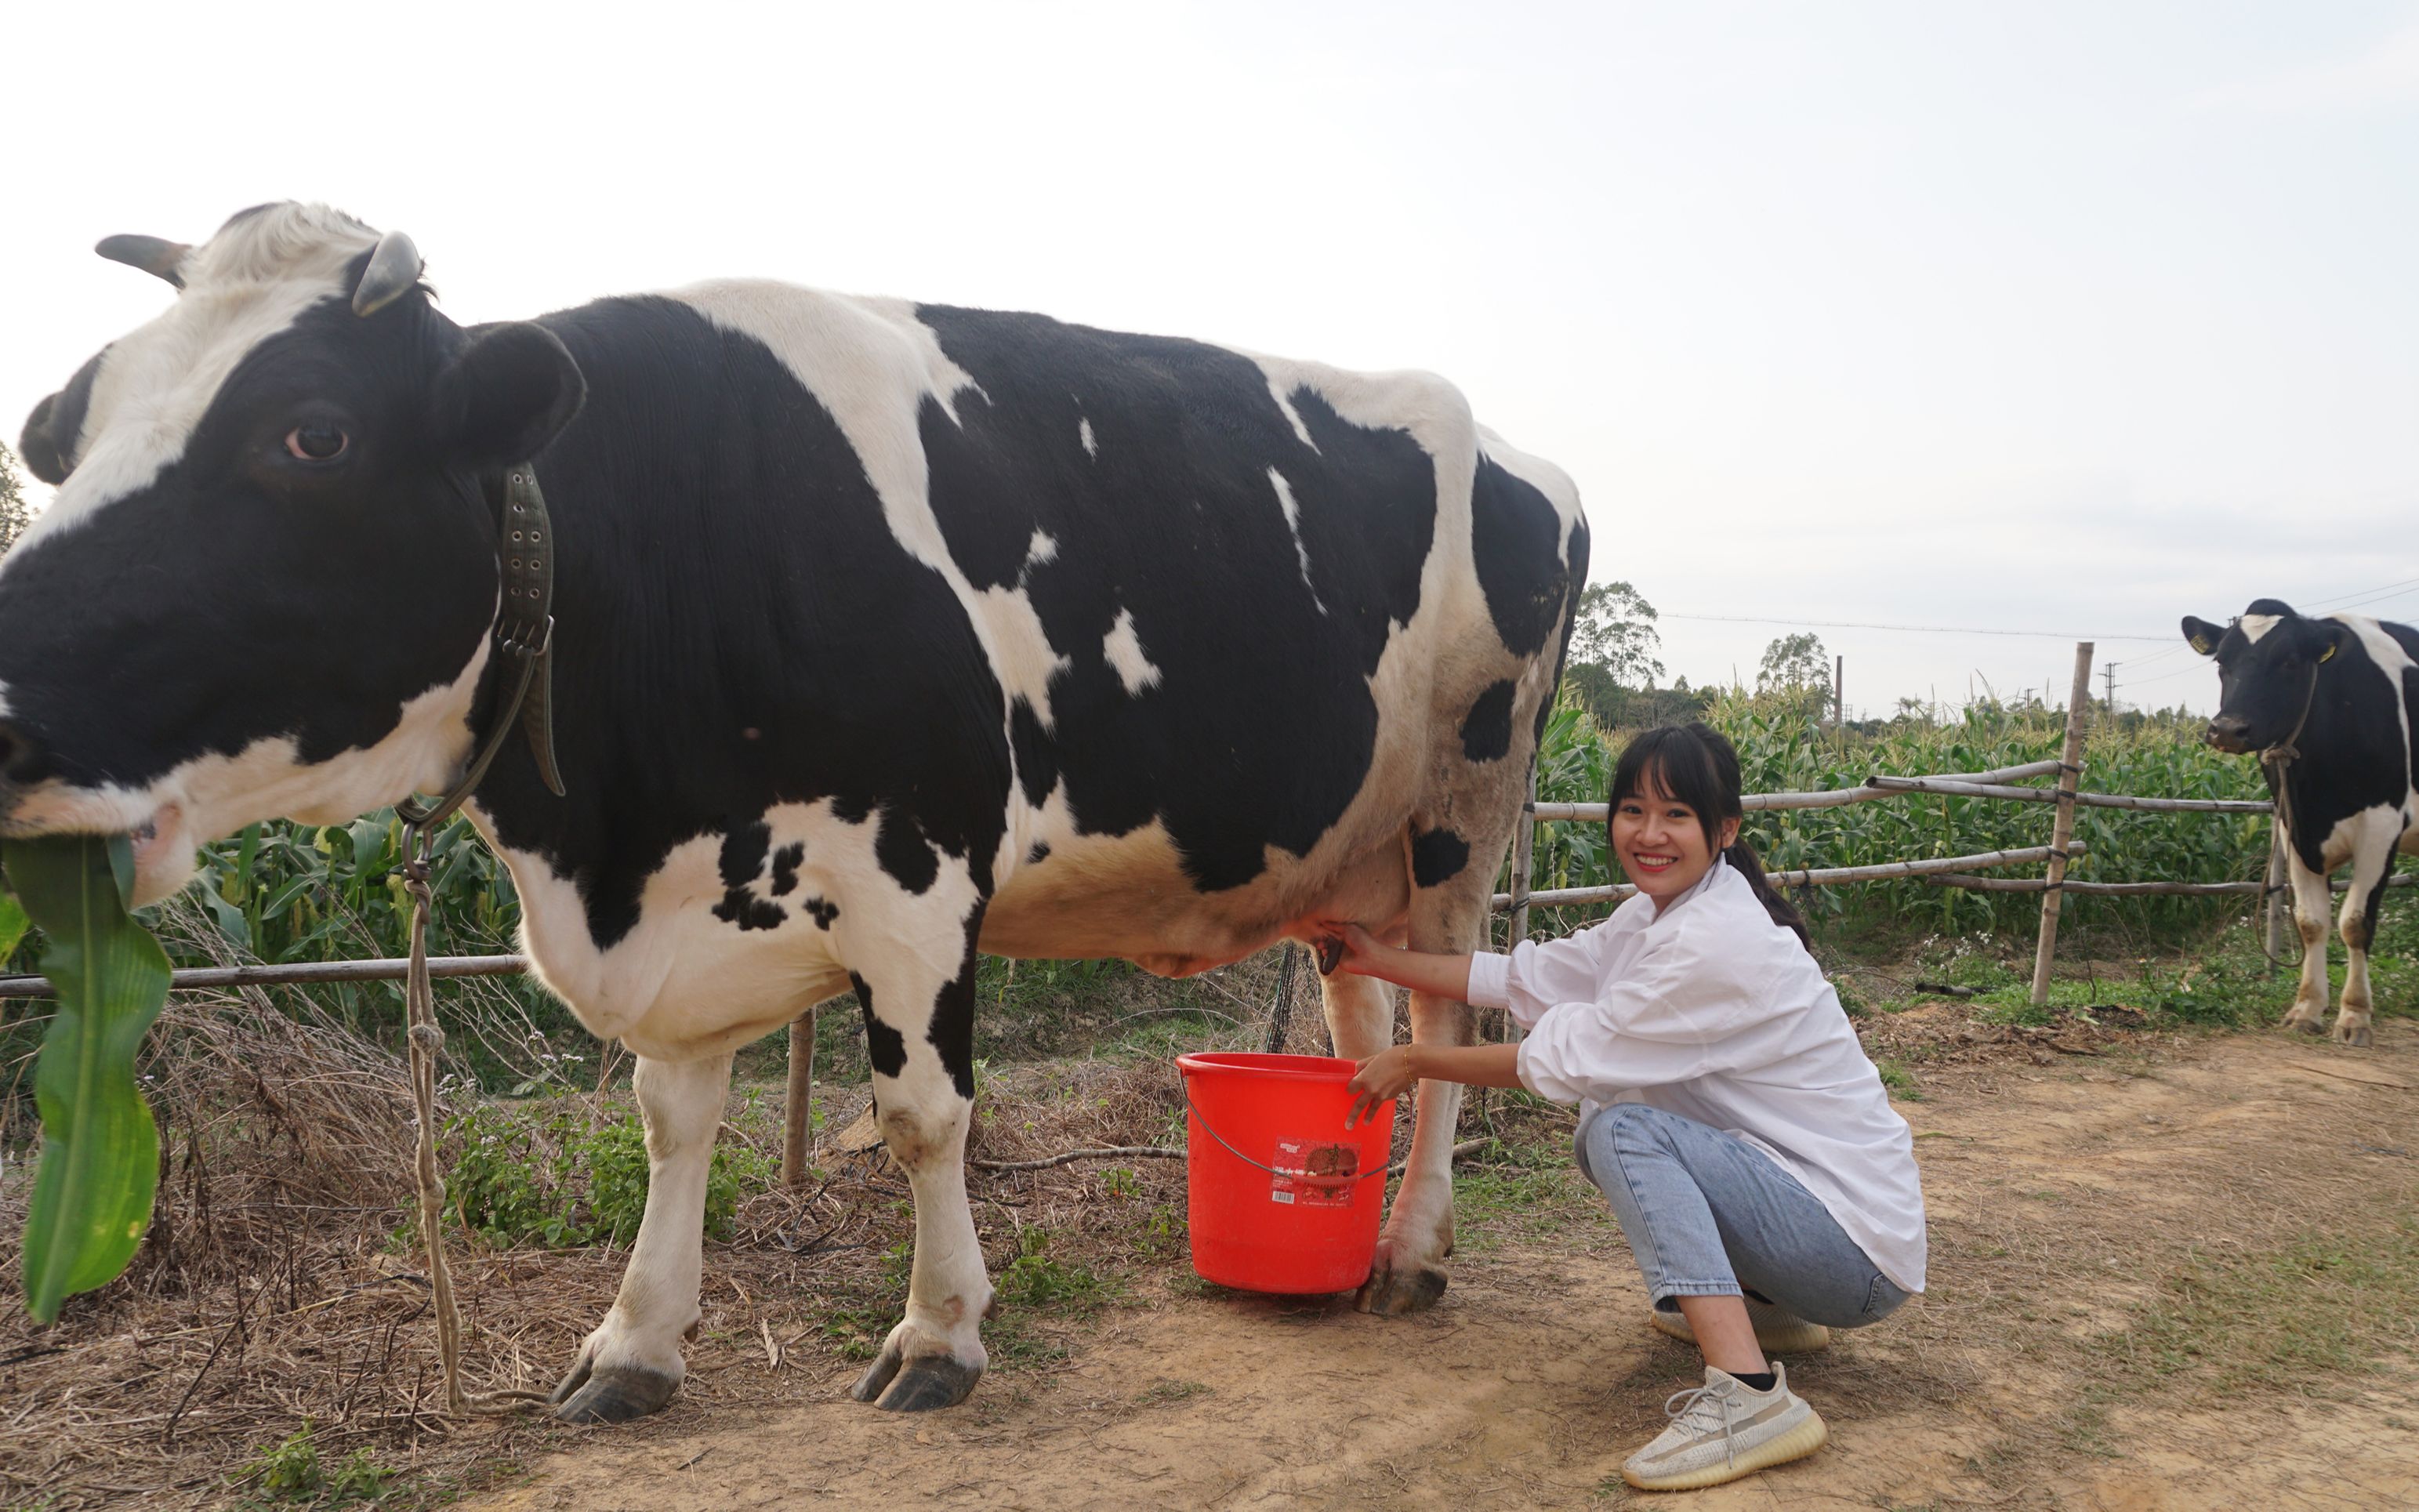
(2058, 317)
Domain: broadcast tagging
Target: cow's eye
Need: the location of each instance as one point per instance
(317, 443)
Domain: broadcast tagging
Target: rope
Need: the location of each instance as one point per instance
(425, 1040)
(1306, 1178)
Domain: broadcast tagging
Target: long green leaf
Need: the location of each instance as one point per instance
(101, 1149)
(12, 926)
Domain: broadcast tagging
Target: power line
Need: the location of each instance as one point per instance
(2361, 594)
(1924, 629)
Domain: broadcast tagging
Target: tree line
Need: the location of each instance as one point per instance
(1615, 671)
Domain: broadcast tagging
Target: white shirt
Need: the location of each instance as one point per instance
(1711, 1010)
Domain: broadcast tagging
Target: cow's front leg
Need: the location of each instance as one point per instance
(919, 1035)
(1410, 1273)
(2371, 868)
(2310, 908)
(631, 1364)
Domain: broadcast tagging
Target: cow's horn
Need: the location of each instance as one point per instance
(394, 270)
(158, 257)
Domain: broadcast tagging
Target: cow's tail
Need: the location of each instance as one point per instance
(1576, 585)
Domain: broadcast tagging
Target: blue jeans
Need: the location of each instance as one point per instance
(1710, 1216)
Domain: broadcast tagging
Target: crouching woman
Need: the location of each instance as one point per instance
(1767, 1188)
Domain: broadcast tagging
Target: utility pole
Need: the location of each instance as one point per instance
(1839, 692)
(2109, 672)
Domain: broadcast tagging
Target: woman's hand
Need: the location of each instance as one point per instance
(1382, 1078)
(1352, 950)
(1349, 949)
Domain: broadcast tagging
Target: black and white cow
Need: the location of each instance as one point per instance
(887, 633)
(2332, 696)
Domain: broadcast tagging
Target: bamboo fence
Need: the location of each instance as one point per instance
(1958, 871)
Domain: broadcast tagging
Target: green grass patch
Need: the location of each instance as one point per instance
(2323, 1306)
(1899, 1080)
(296, 1473)
(557, 1173)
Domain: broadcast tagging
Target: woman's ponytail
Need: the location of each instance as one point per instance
(1741, 857)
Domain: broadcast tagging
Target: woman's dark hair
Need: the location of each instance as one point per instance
(1695, 764)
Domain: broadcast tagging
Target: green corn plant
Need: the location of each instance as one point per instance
(100, 1149)
(1782, 749)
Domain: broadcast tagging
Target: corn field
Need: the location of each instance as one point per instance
(1782, 749)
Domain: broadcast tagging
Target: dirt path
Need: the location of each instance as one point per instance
(2192, 1203)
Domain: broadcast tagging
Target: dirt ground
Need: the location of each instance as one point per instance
(2155, 1278)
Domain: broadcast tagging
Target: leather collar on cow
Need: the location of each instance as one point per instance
(524, 646)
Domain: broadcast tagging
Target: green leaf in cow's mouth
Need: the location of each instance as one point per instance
(101, 1149)
(12, 928)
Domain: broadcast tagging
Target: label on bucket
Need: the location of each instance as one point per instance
(1314, 1159)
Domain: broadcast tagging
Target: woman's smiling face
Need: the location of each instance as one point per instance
(1661, 841)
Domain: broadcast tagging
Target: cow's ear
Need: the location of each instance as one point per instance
(2202, 635)
(41, 454)
(506, 394)
(2330, 637)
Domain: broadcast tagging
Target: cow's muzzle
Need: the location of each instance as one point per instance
(2227, 733)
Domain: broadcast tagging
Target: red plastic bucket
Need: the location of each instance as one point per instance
(1281, 1196)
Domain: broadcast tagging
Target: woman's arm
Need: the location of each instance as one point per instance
(1441, 976)
(1389, 1073)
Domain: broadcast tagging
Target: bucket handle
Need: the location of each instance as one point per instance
(1306, 1178)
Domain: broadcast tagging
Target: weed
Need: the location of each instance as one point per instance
(295, 1473)
(1172, 1391)
(1036, 1279)
(1899, 1080)
(554, 1173)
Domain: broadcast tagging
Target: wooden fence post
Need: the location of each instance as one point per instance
(1524, 851)
(797, 1113)
(2078, 705)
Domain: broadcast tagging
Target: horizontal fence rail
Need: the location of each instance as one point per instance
(302, 973)
(2145, 889)
(1818, 876)
(1955, 789)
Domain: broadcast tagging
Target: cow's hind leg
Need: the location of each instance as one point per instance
(631, 1364)
(2310, 908)
(1455, 853)
(920, 1035)
(1359, 1014)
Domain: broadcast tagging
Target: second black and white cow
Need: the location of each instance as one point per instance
(2327, 701)
(886, 633)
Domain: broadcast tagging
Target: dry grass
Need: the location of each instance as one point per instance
(281, 1286)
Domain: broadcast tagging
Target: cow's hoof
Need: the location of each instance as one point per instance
(2353, 1034)
(1397, 1293)
(924, 1385)
(589, 1396)
(2306, 1022)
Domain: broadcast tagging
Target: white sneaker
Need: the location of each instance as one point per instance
(1722, 1431)
(1778, 1330)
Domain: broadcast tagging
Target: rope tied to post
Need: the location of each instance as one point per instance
(423, 1039)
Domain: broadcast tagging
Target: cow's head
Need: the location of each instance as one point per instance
(2267, 661)
(264, 584)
